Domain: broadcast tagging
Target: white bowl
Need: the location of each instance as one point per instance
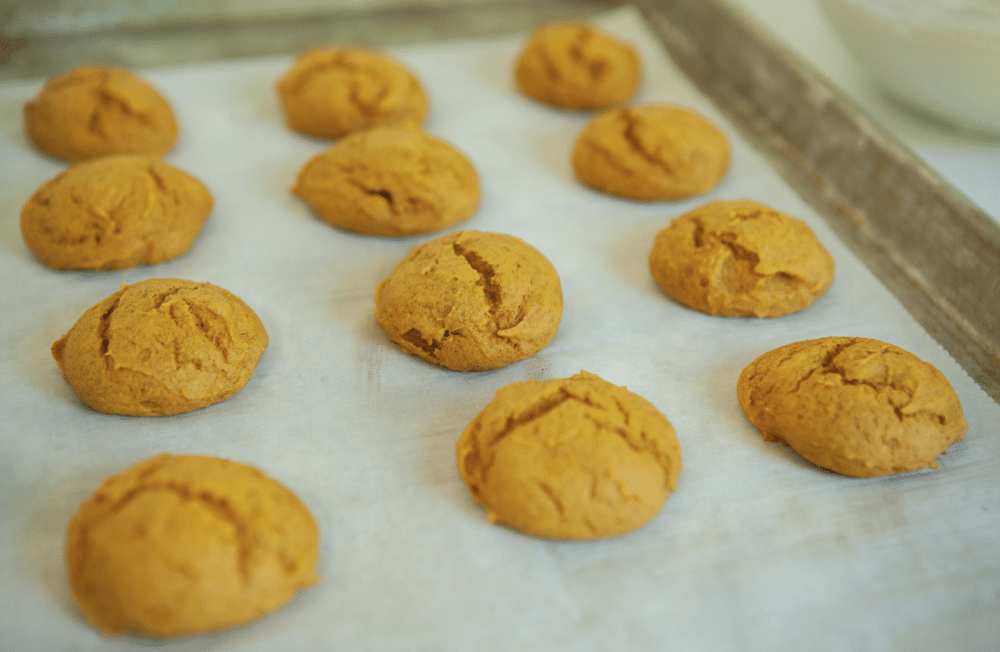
(941, 56)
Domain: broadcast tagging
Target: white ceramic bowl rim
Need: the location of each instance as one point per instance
(981, 16)
(941, 56)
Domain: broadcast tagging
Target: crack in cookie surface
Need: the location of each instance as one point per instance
(487, 272)
(218, 505)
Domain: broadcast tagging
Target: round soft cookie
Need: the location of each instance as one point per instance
(331, 92)
(853, 405)
(391, 181)
(572, 65)
(161, 346)
(471, 301)
(180, 545)
(651, 152)
(570, 458)
(94, 111)
(740, 258)
(115, 212)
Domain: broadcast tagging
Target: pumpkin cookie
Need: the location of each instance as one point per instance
(390, 181)
(651, 152)
(853, 405)
(573, 458)
(159, 347)
(332, 92)
(114, 213)
(471, 301)
(576, 66)
(740, 258)
(188, 544)
(93, 111)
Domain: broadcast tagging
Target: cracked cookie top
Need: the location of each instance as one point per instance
(93, 111)
(390, 181)
(471, 301)
(188, 544)
(331, 92)
(740, 258)
(853, 405)
(570, 458)
(576, 66)
(651, 152)
(160, 347)
(115, 212)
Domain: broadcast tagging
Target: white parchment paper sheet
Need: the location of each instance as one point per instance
(756, 550)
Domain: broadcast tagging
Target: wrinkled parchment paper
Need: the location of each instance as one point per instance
(756, 550)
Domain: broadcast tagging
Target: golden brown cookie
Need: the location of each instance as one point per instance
(651, 152)
(162, 346)
(188, 544)
(331, 92)
(570, 458)
(576, 66)
(853, 405)
(740, 258)
(390, 181)
(93, 111)
(471, 301)
(114, 213)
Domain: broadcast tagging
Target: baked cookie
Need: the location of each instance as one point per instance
(570, 458)
(114, 213)
(651, 152)
(390, 181)
(471, 301)
(93, 111)
(331, 92)
(188, 544)
(162, 346)
(740, 258)
(853, 405)
(576, 66)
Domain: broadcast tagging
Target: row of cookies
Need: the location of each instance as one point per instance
(173, 545)
(518, 456)
(395, 182)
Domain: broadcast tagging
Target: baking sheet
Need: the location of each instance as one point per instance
(755, 550)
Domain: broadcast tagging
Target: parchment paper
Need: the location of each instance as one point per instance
(756, 550)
